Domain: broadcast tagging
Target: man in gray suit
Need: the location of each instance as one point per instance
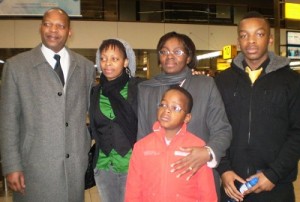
(44, 140)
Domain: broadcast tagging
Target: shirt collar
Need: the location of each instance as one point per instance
(48, 51)
(263, 65)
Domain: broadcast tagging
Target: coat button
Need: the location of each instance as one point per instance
(67, 124)
(67, 156)
(59, 93)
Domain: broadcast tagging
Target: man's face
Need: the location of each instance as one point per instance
(55, 30)
(254, 39)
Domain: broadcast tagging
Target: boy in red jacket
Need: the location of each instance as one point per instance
(149, 177)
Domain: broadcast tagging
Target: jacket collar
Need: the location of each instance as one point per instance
(276, 62)
(37, 59)
(161, 131)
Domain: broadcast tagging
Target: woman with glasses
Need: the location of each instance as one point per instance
(177, 57)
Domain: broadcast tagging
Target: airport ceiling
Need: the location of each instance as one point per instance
(93, 8)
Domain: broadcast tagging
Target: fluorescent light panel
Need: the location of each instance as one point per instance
(209, 55)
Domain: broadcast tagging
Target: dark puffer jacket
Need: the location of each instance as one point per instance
(265, 120)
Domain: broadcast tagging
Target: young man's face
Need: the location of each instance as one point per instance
(173, 111)
(254, 38)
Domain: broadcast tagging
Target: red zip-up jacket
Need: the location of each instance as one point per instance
(150, 177)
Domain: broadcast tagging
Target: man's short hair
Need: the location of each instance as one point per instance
(255, 14)
(62, 11)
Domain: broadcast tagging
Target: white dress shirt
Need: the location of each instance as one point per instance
(64, 59)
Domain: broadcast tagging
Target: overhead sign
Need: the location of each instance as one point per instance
(229, 52)
(37, 7)
(293, 38)
(222, 64)
(292, 11)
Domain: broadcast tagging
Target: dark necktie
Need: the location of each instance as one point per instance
(58, 69)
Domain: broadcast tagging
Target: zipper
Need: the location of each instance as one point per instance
(249, 122)
(165, 168)
(250, 115)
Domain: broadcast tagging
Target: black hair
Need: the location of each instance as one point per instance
(255, 14)
(187, 42)
(106, 44)
(186, 93)
(61, 10)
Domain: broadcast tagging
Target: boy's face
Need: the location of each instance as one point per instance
(172, 112)
(254, 38)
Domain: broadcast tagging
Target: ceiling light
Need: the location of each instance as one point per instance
(209, 55)
(295, 63)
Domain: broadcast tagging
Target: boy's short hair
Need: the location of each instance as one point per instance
(255, 14)
(186, 94)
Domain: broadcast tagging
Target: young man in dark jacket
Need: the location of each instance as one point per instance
(263, 108)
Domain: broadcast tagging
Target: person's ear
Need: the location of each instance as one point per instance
(126, 62)
(238, 44)
(188, 60)
(271, 39)
(187, 118)
(70, 33)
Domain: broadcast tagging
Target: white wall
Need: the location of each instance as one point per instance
(89, 34)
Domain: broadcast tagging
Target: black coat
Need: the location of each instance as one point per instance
(265, 120)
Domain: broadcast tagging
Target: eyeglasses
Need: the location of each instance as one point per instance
(172, 108)
(174, 52)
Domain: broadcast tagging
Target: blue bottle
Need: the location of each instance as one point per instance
(248, 185)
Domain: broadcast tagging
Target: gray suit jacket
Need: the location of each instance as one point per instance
(43, 129)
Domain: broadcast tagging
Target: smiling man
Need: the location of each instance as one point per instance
(44, 100)
(262, 101)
